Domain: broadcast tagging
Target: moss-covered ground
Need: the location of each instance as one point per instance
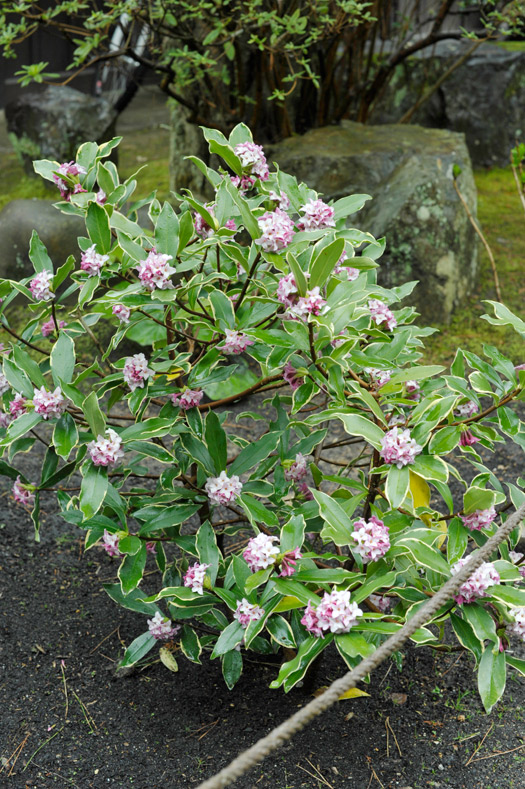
(499, 212)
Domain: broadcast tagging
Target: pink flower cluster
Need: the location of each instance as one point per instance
(303, 488)
(289, 562)
(18, 406)
(201, 227)
(311, 304)
(468, 439)
(260, 552)
(247, 612)
(106, 451)
(515, 557)
(398, 448)
(298, 469)
(40, 286)
(372, 539)
(378, 377)
(23, 494)
(287, 290)
(160, 627)
(244, 184)
(136, 371)
(5, 419)
(49, 404)
(335, 613)
(518, 626)
(282, 199)
(478, 583)
(110, 542)
(467, 409)
(190, 398)
(70, 171)
(253, 159)
(49, 327)
(412, 389)
(317, 215)
(223, 489)
(479, 519)
(381, 314)
(291, 377)
(92, 261)
(235, 342)
(347, 272)
(194, 577)
(277, 231)
(155, 271)
(121, 312)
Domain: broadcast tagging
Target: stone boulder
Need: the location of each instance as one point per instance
(57, 231)
(408, 172)
(51, 124)
(484, 97)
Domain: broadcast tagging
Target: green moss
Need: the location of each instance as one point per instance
(133, 154)
(512, 46)
(16, 185)
(501, 218)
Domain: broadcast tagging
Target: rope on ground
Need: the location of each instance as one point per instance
(298, 721)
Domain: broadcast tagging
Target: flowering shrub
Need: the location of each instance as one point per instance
(265, 539)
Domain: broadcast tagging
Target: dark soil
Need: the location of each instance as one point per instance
(67, 719)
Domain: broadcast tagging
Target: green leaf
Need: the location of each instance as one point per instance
(248, 219)
(466, 636)
(397, 485)
(138, 649)
(216, 442)
(280, 631)
(198, 451)
(349, 205)
(65, 435)
(222, 310)
(167, 232)
(93, 414)
(323, 264)
(353, 645)
(477, 498)
(63, 359)
(338, 525)
(93, 489)
(29, 366)
(97, 224)
(298, 273)
(492, 674)
(130, 544)
(22, 425)
(254, 453)
(504, 316)
(457, 541)
(294, 670)
(292, 533)
(38, 254)
(231, 668)
(418, 373)
(508, 594)
(481, 622)
(356, 425)
(158, 518)
(517, 663)
(18, 379)
(430, 467)
(385, 578)
(445, 440)
(426, 555)
(228, 639)
(132, 568)
(257, 512)
(207, 548)
(148, 428)
(190, 644)
(134, 601)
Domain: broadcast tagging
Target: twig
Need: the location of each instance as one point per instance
(104, 639)
(518, 185)
(16, 753)
(483, 240)
(389, 728)
(319, 777)
(65, 688)
(481, 744)
(498, 753)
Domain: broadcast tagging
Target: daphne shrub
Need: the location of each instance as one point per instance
(263, 539)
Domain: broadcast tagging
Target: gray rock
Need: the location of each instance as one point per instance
(484, 97)
(53, 123)
(57, 231)
(408, 172)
